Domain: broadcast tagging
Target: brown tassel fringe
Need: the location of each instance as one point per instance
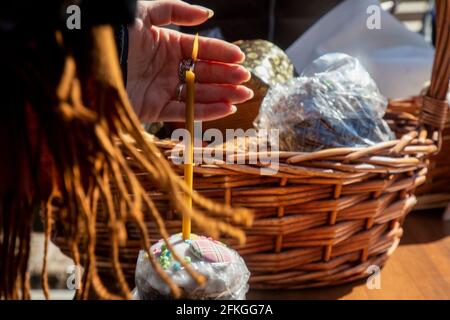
(86, 120)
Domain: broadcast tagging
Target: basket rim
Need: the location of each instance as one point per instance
(405, 154)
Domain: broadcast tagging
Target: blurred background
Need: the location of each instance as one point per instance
(283, 21)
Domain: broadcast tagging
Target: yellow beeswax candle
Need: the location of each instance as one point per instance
(188, 166)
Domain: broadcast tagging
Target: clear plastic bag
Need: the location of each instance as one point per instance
(334, 103)
(226, 280)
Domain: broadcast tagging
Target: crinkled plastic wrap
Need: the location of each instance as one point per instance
(226, 279)
(334, 103)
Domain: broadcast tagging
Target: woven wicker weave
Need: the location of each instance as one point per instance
(325, 216)
(435, 192)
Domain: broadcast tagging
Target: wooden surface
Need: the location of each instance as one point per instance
(418, 269)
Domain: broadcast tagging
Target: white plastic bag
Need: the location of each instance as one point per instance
(398, 59)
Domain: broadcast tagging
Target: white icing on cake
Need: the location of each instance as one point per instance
(224, 269)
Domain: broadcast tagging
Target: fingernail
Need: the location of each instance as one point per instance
(242, 58)
(208, 11)
(250, 92)
(233, 109)
(249, 76)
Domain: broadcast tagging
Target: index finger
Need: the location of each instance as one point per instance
(212, 49)
(161, 13)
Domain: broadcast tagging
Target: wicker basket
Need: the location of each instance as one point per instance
(435, 192)
(326, 216)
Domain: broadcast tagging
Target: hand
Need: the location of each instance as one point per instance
(155, 53)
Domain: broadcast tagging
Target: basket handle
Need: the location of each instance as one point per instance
(435, 106)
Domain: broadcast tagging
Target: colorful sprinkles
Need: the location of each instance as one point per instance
(176, 266)
(204, 248)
